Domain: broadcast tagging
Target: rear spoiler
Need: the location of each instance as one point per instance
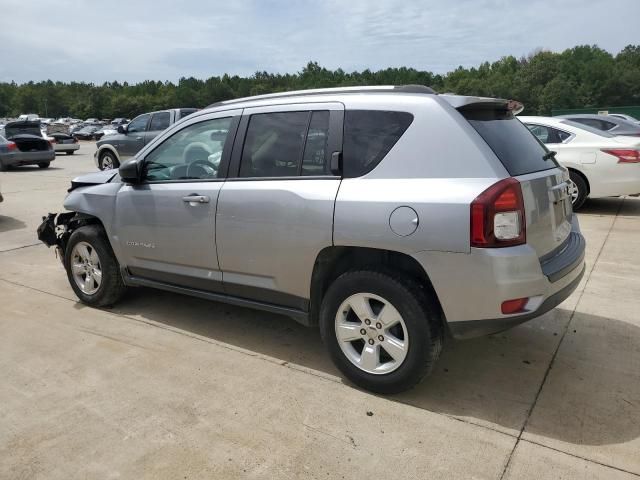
(463, 102)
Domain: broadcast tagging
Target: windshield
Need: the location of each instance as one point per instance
(515, 146)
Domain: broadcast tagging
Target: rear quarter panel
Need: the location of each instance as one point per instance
(437, 168)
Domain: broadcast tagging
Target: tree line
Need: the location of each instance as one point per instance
(583, 76)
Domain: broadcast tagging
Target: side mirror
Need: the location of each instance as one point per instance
(122, 129)
(131, 171)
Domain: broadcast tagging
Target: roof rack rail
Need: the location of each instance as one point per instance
(321, 91)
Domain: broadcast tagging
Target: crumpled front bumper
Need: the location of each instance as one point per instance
(53, 231)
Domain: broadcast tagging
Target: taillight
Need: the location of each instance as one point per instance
(75, 140)
(497, 216)
(624, 156)
(12, 146)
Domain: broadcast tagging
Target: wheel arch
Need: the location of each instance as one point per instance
(333, 261)
(584, 177)
(108, 147)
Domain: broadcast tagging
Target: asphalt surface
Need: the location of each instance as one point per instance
(165, 387)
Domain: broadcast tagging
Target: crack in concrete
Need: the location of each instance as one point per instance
(21, 247)
(555, 353)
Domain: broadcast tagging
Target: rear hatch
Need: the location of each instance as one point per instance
(545, 189)
(26, 135)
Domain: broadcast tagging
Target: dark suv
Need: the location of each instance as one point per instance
(115, 149)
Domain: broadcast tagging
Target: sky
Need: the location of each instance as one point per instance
(135, 40)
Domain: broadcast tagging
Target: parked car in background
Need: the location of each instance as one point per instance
(105, 131)
(22, 143)
(605, 123)
(86, 133)
(624, 116)
(112, 150)
(31, 117)
(92, 121)
(119, 121)
(388, 216)
(63, 143)
(600, 164)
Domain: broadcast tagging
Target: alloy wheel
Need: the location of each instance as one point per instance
(573, 191)
(371, 333)
(86, 268)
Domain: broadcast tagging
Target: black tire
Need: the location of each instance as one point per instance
(111, 287)
(44, 164)
(110, 155)
(421, 315)
(70, 152)
(3, 167)
(583, 189)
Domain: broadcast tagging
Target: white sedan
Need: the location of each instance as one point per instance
(600, 164)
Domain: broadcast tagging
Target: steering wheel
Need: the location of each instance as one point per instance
(207, 169)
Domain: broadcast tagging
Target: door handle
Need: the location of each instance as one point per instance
(196, 199)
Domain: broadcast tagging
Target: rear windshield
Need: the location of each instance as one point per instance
(582, 126)
(517, 148)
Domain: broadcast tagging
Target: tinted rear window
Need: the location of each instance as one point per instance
(517, 148)
(368, 137)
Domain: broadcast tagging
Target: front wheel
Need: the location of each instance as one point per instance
(383, 331)
(108, 161)
(70, 152)
(44, 164)
(92, 268)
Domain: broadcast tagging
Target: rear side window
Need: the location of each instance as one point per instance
(368, 137)
(160, 121)
(548, 135)
(515, 146)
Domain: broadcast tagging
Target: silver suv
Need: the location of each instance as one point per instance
(389, 216)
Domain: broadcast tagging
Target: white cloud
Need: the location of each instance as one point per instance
(163, 39)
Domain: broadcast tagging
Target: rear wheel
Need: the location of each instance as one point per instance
(70, 152)
(108, 161)
(383, 331)
(3, 167)
(92, 268)
(44, 164)
(578, 189)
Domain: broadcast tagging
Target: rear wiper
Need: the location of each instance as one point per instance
(548, 155)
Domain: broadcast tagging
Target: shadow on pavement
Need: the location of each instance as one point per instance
(491, 381)
(9, 223)
(611, 206)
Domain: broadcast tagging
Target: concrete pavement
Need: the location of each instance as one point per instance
(165, 386)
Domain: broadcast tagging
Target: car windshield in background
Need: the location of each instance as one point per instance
(515, 146)
(595, 131)
(187, 111)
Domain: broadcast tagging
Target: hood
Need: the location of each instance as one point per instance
(21, 127)
(95, 178)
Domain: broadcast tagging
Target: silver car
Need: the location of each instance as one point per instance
(390, 217)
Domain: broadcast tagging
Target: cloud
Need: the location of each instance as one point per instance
(166, 40)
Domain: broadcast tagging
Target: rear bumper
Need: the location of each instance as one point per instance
(27, 158)
(471, 287)
(66, 147)
(478, 328)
